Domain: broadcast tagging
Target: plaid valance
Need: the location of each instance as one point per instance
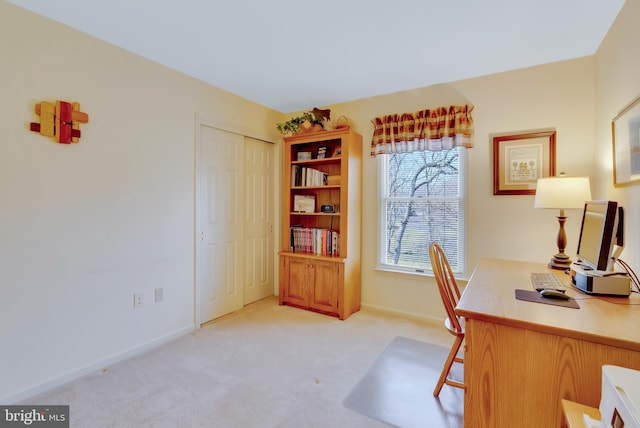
(433, 129)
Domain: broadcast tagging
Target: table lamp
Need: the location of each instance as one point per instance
(562, 193)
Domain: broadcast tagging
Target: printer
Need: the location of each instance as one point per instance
(620, 401)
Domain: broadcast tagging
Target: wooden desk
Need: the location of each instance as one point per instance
(522, 358)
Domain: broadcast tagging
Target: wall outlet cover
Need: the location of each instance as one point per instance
(159, 294)
(138, 300)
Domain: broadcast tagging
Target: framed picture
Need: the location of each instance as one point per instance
(304, 203)
(520, 159)
(625, 129)
(337, 152)
(322, 152)
(303, 156)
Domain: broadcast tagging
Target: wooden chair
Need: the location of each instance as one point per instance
(450, 294)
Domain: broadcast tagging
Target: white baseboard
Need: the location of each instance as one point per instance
(402, 314)
(97, 365)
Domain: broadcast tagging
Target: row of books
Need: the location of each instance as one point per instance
(313, 240)
(305, 176)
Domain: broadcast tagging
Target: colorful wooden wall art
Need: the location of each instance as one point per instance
(60, 120)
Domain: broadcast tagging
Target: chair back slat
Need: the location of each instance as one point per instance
(447, 285)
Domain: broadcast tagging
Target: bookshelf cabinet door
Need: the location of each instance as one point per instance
(297, 285)
(326, 282)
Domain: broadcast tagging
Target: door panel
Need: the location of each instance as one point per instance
(325, 290)
(220, 244)
(259, 198)
(297, 292)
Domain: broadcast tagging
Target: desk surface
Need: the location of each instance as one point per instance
(523, 356)
(490, 296)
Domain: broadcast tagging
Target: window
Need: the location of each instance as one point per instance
(422, 201)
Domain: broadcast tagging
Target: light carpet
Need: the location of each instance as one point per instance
(265, 366)
(398, 388)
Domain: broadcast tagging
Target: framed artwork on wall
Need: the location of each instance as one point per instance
(519, 159)
(625, 133)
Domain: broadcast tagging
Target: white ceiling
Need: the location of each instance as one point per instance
(291, 55)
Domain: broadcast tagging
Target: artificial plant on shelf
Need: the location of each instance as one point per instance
(306, 122)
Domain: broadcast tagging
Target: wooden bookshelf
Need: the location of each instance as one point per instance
(322, 276)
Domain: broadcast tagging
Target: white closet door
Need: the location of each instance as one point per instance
(220, 240)
(259, 206)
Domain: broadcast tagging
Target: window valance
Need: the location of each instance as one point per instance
(432, 129)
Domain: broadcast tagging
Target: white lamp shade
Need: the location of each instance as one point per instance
(562, 192)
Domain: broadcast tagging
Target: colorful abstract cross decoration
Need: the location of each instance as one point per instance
(60, 120)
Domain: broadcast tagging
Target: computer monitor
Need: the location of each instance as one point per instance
(601, 234)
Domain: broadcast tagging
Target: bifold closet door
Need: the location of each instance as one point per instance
(220, 218)
(259, 209)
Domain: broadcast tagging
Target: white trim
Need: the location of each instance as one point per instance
(464, 216)
(383, 267)
(413, 274)
(382, 212)
(95, 366)
(233, 127)
(196, 222)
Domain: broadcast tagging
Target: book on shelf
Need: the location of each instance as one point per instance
(312, 240)
(302, 176)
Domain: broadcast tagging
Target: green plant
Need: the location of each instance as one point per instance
(293, 125)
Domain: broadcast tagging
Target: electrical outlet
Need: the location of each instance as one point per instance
(159, 294)
(138, 300)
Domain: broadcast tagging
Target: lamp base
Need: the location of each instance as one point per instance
(560, 261)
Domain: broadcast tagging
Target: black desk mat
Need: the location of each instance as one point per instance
(534, 296)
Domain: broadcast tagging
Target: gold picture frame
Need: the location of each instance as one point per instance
(519, 159)
(625, 136)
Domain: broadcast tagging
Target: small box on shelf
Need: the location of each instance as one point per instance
(333, 180)
(330, 208)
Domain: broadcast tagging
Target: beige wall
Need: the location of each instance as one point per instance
(617, 65)
(83, 226)
(560, 96)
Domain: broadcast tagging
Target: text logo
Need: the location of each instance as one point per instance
(34, 416)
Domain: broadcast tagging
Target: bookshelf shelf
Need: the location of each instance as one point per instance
(317, 161)
(315, 214)
(326, 186)
(333, 259)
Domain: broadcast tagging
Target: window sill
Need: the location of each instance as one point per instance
(404, 273)
(414, 274)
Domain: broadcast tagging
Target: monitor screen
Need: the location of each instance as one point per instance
(598, 233)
